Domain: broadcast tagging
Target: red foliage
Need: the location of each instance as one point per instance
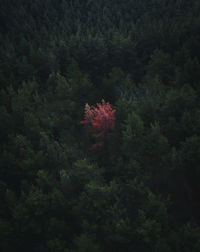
(99, 120)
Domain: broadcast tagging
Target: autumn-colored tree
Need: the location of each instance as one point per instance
(99, 120)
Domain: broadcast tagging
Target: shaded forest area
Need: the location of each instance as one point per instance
(140, 190)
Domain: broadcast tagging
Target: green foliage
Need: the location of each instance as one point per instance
(133, 136)
(141, 191)
(160, 65)
(84, 243)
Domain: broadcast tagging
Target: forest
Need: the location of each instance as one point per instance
(99, 126)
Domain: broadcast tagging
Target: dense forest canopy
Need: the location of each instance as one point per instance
(69, 186)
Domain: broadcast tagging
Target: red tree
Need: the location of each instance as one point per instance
(99, 120)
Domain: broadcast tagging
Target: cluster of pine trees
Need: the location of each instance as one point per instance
(139, 189)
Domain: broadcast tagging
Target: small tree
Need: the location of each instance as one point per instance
(99, 120)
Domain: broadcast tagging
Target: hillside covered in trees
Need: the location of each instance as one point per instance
(99, 125)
